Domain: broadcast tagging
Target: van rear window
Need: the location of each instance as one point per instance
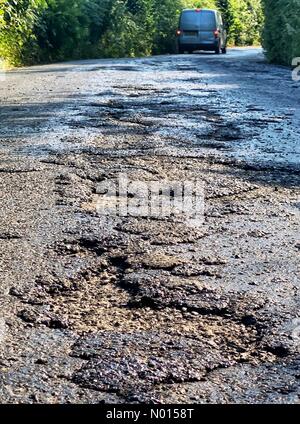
(205, 20)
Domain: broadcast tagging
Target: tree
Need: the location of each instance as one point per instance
(17, 37)
(244, 20)
(281, 36)
(34, 31)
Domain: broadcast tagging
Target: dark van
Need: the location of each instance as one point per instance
(201, 29)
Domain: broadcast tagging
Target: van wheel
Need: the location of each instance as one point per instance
(224, 50)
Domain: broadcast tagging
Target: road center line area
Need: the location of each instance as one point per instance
(182, 287)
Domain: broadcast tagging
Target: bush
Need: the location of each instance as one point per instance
(281, 37)
(37, 31)
(71, 30)
(244, 19)
(130, 30)
(17, 38)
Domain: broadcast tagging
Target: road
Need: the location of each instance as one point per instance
(107, 308)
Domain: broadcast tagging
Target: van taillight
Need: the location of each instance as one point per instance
(216, 33)
(178, 32)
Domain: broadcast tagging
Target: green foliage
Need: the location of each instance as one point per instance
(34, 31)
(131, 29)
(68, 30)
(244, 19)
(166, 16)
(17, 38)
(281, 37)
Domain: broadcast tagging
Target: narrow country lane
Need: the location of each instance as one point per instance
(141, 309)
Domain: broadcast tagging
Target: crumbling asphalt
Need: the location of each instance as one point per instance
(143, 309)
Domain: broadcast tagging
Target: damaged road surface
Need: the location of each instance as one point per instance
(99, 308)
